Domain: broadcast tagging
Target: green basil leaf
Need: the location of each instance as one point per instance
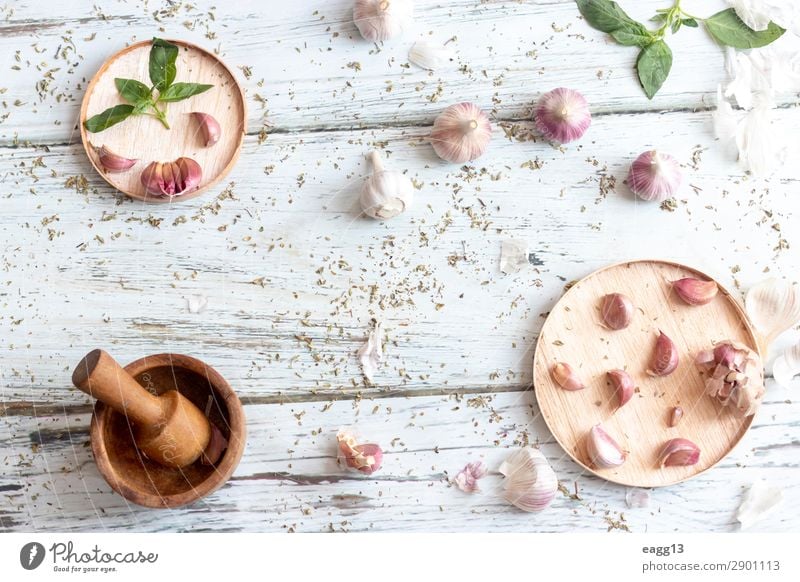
(676, 26)
(690, 22)
(107, 118)
(131, 90)
(181, 91)
(604, 15)
(632, 35)
(162, 63)
(653, 66)
(728, 29)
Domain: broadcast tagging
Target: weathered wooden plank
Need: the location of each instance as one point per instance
(289, 479)
(308, 68)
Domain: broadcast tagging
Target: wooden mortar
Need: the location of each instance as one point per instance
(160, 465)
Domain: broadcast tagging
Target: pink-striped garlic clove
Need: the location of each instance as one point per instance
(622, 385)
(209, 128)
(664, 360)
(112, 162)
(603, 451)
(616, 311)
(678, 452)
(566, 377)
(695, 291)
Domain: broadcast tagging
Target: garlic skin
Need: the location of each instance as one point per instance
(169, 179)
(622, 384)
(562, 115)
(734, 376)
(531, 484)
(787, 366)
(774, 307)
(514, 256)
(461, 133)
(379, 20)
(678, 453)
(385, 194)
(209, 127)
(370, 354)
(112, 162)
(616, 310)
(366, 458)
(695, 291)
(655, 176)
(430, 56)
(566, 377)
(603, 451)
(760, 500)
(467, 478)
(665, 356)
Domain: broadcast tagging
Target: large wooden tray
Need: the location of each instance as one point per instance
(573, 334)
(144, 138)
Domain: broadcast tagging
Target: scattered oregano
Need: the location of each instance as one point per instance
(655, 57)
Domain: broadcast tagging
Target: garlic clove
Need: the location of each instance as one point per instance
(622, 384)
(665, 357)
(379, 20)
(760, 500)
(385, 194)
(655, 176)
(171, 178)
(637, 498)
(774, 307)
(190, 174)
(531, 484)
(616, 310)
(467, 478)
(209, 127)
(678, 453)
(603, 451)
(562, 115)
(366, 458)
(675, 416)
(734, 376)
(461, 133)
(153, 179)
(787, 366)
(430, 56)
(112, 162)
(695, 291)
(566, 377)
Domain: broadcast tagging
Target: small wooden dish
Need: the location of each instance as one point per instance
(573, 333)
(146, 482)
(144, 138)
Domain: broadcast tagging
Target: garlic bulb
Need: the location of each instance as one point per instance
(430, 56)
(461, 133)
(787, 365)
(734, 376)
(379, 20)
(385, 194)
(562, 115)
(531, 484)
(773, 306)
(655, 176)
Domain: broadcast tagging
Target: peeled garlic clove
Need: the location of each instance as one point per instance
(366, 458)
(209, 127)
(695, 291)
(616, 310)
(461, 133)
(787, 366)
(379, 20)
(675, 416)
(622, 384)
(112, 162)
(665, 357)
(430, 56)
(565, 377)
(172, 178)
(385, 194)
(734, 376)
(655, 176)
(678, 453)
(531, 484)
(603, 451)
(467, 478)
(562, 115)
(773, 306)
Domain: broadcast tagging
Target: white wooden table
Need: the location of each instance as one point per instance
(293, 276)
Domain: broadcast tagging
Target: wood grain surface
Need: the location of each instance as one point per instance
(293, 276)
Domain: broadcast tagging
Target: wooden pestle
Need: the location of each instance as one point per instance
(169, 429)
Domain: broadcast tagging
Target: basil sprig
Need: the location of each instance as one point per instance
(144, 99)
(655, 57)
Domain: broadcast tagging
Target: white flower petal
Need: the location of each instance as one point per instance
(371, 353)
(787, 366)
(754, 13)
(513, 256)
(759, 501)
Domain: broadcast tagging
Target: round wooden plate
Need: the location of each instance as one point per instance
(573, 334)
(144, 138)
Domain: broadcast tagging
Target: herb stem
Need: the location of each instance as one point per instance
(161, 116)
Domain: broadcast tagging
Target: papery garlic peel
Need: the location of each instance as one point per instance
(379, 20)
(461, 133)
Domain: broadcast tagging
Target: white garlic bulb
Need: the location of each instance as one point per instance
(379, 20)
(385, 194)
(531, 484)
(461, 133)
